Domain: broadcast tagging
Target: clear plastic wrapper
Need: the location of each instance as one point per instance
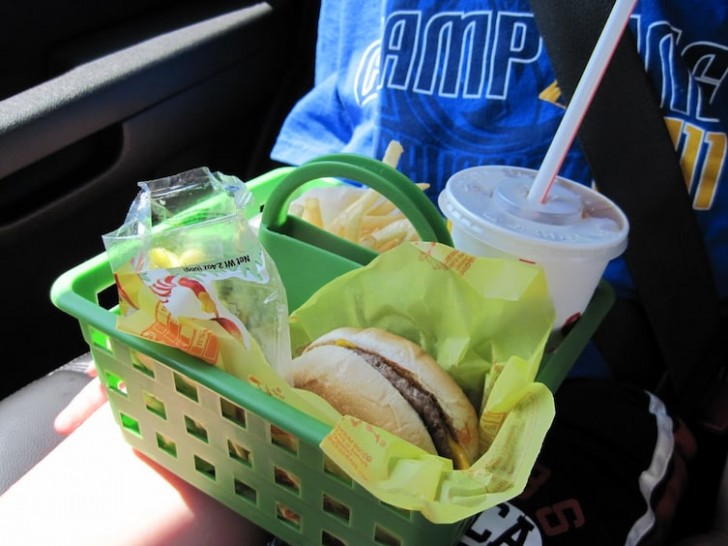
(192, 274)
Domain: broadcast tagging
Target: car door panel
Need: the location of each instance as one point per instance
(190, 92)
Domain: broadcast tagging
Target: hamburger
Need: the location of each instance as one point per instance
(391, 382)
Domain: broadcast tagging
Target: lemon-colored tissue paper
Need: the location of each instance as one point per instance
(486, 321)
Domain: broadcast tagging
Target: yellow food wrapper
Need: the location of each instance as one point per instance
(191, 274)
(486, 321)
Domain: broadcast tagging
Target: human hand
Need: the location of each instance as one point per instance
(159, 507)
(85, 403)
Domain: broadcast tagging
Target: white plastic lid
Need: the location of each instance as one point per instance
(489, 202)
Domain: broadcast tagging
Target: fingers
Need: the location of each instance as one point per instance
(87, 401)
(91, 370)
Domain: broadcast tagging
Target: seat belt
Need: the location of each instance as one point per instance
(634, 163)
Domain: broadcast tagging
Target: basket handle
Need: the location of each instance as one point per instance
(406, 196)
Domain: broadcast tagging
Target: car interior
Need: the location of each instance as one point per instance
(94, 98)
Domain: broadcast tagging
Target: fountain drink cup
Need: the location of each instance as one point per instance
(572, 235)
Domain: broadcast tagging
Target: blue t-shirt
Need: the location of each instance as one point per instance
(463, 83)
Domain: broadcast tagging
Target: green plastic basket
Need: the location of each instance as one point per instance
(304, 254)
(248, 450)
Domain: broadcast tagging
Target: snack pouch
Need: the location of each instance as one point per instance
(191, 273)
(486, 321)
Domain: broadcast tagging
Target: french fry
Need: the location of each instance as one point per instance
(312, 212)
(385, 206)
(388, 245)
(370, 219)
(393, 233)
(296, 209)
(412, 234)
(347, 223)
(373, 222)
(393, 153)
(382, 207)
(368, 198)
(352, 224)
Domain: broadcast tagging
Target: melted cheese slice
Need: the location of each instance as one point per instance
(460, 459)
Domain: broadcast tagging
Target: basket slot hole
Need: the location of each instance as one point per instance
(232, 412)
(155, 405)
(143, 363)
(167, 445)
(185, 387)
(327, 539)
(336, 508)
(108, 297)
(385, 537)
(288, 515)
(335, 471)
(116, 384)
(284, 439)
(240, 453)
(286, 479)
(196, 429)
(100, 339)
(205, 467)
(130, 424)
(244, 491)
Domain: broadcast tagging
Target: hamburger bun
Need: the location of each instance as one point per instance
(391, 382)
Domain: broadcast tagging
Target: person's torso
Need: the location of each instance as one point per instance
(464, 83)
